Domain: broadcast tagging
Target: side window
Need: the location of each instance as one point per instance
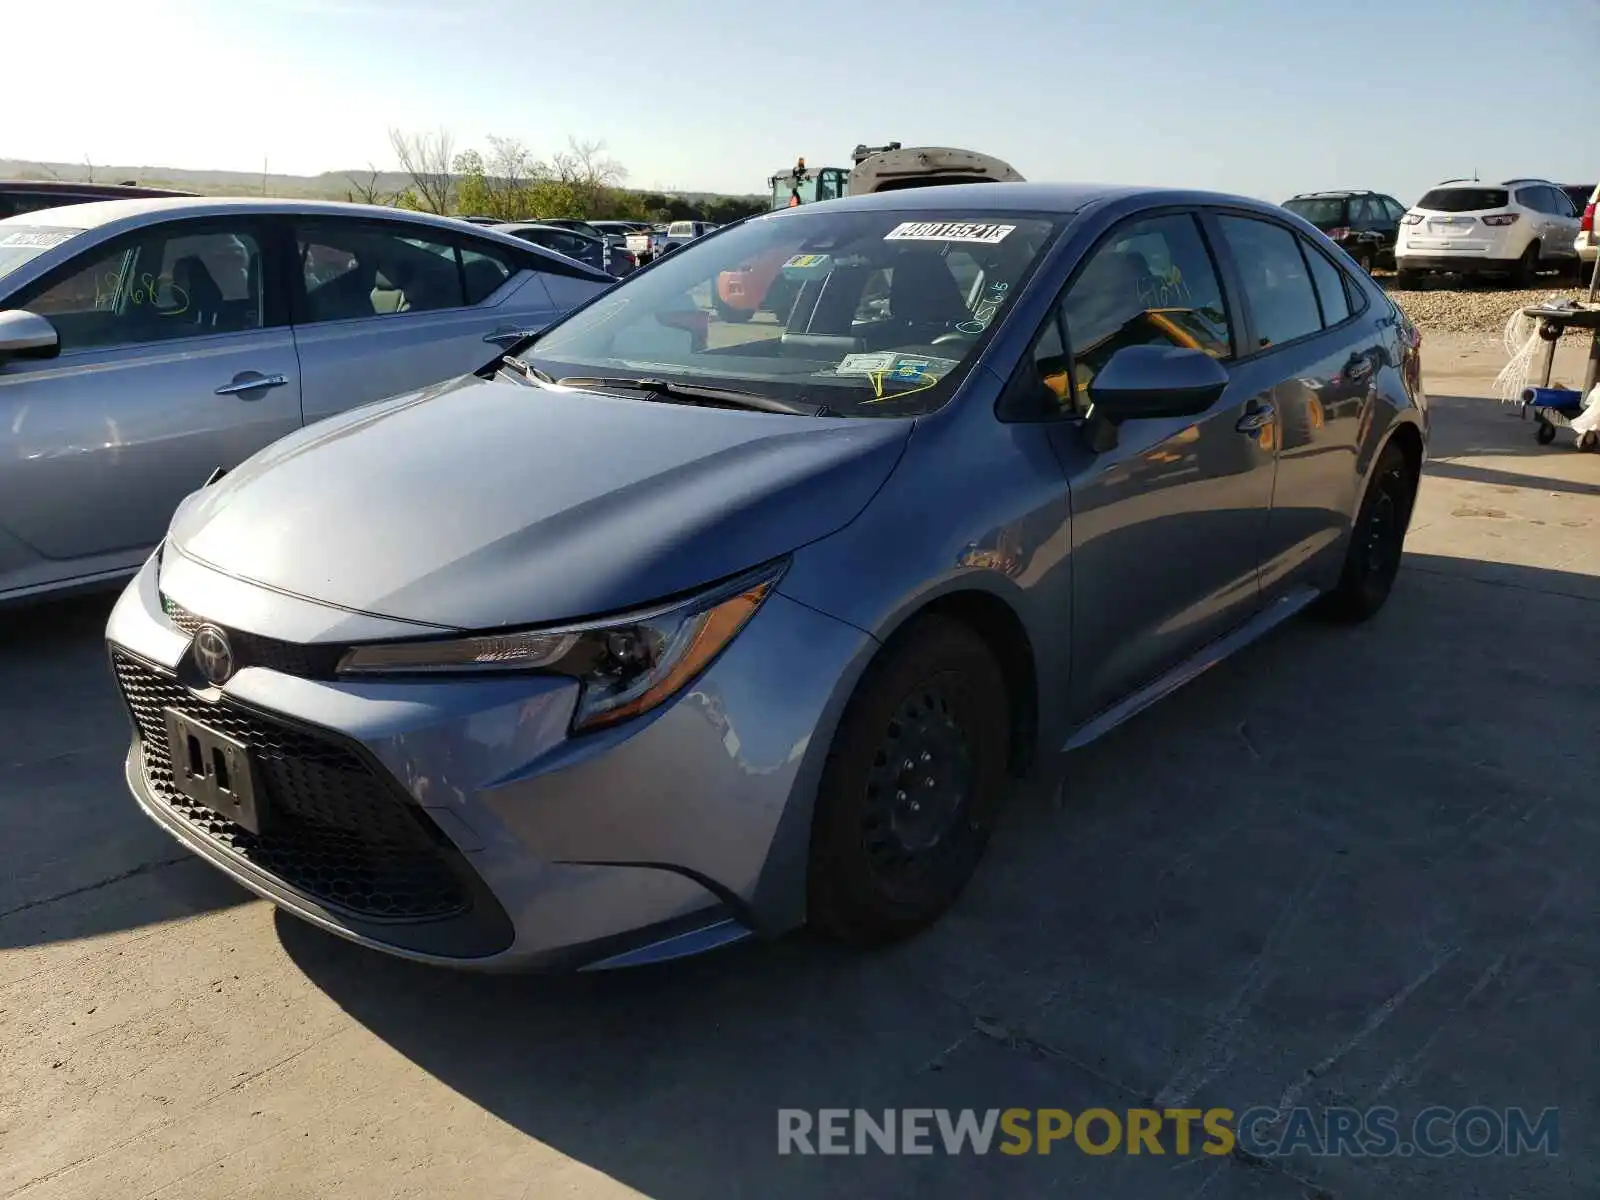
(353, 269)
(1330, 285)
(1276, 282)
(1394, 208)
(1529, 198)
(1360, 212)
(1560, 204)
(157, 287)
(1151, 283)
(483, 270)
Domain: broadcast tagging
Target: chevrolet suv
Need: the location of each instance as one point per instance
(1517, 228)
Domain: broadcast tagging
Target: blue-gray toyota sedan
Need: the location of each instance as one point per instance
(730, 602)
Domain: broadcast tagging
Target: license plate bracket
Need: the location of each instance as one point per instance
(215, 770)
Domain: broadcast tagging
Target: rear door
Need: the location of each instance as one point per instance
(385, 307)
(176, 359)
(1310, 352)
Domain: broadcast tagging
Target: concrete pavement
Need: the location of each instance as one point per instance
(1348, 867)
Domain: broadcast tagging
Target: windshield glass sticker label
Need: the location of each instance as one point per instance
(948, 231)
(37, 239)
(865, 364)
(807, 260)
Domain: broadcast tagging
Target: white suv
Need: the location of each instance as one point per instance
(1517, 227)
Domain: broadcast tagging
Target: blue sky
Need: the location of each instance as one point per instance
(1264, 98)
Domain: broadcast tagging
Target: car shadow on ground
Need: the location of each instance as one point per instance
(79, 857)
(1352, 865)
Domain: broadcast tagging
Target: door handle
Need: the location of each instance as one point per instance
(251, 381)
(1257, 416)
(506, 338)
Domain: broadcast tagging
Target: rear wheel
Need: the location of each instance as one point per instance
(1407, 280)
(1377, 541)
(1528, 265)
(911, 788)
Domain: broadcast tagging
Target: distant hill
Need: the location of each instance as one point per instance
(330, 185)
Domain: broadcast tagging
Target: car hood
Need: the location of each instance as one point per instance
(481, 503)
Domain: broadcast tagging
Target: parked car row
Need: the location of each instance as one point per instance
(1516, 228)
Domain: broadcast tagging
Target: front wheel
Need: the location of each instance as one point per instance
(1377, 540)
(912, 786)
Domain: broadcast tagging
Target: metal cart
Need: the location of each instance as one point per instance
(1553, 322)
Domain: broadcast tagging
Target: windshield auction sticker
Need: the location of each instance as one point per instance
(949, 231)
(37, 239)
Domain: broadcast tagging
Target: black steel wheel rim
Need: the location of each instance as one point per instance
(1385, 527)
(919, 786)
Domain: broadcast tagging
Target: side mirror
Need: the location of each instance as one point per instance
(1142, 382)
(27, 335)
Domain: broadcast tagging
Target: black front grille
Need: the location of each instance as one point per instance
(253, 650)
(337, 830)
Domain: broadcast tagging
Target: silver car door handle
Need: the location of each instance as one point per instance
(251, 382)
(1257, 416)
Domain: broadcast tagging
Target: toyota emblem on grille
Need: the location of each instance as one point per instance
(213, 654)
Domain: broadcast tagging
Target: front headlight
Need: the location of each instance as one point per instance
(628, 665)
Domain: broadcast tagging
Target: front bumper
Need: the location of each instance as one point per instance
(456, 822)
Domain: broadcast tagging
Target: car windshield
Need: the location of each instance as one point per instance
(22, 243)
(1325, 212)
(873, 313)
(1458, 200)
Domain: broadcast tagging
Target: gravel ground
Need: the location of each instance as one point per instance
(1481, 310)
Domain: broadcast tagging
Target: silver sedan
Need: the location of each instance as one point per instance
(146, 343)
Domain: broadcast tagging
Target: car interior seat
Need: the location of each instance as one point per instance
(924, 297)
(200, 291)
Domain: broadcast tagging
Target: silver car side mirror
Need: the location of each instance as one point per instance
(27, 335)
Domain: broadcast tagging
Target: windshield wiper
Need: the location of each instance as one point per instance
(526, 367)
(694, 391)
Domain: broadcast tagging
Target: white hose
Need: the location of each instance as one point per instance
(1522, 343)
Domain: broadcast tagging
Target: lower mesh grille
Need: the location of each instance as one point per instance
(339, 833)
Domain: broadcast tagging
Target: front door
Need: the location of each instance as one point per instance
(171, 366)
(1167, 522)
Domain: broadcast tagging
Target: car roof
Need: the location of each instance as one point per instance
(545, 226)
(64, 187)
(131, 212)
(1335, 195)
(1062, 198)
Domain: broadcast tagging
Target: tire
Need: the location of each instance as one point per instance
(1545, 434)
(893, 843)
(1365, 258)
(1527, 268)
(1407, 280)
(1589, 441)
(1377, 540)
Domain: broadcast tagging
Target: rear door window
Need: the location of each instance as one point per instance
(1277, 283)
(357, 269)
(1330, 285)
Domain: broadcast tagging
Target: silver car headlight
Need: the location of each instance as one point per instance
(628, 664)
